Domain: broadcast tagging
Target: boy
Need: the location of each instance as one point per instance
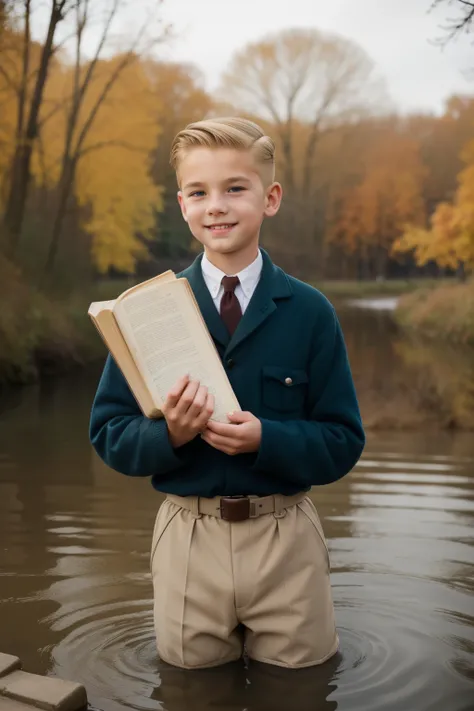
(238, 553)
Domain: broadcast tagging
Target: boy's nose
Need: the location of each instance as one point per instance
(216, 207)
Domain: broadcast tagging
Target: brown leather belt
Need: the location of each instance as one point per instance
(237, 508)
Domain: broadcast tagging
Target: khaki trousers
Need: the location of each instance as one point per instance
(260, 585)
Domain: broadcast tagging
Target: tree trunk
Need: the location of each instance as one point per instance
(309, 157)
(21, 172)
(364, 266)
(461, 272)
(24, 75)
(287, 146)
(65, 184)
(381, 263)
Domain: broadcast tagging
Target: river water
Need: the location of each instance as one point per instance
(75, 590)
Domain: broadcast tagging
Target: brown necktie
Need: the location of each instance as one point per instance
(231, 313)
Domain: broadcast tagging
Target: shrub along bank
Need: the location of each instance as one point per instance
(40, 335)
(445, 313)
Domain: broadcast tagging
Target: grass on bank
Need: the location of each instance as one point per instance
(445, 313)
(40, 335)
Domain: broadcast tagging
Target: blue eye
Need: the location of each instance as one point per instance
(238, 188)
(197, 193)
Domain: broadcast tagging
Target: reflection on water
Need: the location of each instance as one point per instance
(404, 382)
(387, 303)
(444, 380)
(75, 591)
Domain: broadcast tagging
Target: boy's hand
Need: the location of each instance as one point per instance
(187, 409)
(243, 434)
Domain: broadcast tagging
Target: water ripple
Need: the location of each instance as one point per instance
(400, 534)
(386, 636)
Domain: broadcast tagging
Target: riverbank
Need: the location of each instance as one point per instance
(403, 381)
(445, 313)
(44, 335)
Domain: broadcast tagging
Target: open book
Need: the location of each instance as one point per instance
(156, 333)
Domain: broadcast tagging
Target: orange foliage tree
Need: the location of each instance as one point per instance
(372, 214)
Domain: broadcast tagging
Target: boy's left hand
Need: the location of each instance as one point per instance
(242, 434)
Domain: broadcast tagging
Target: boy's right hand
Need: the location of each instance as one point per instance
(187, 410)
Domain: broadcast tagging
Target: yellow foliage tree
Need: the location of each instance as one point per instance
(112, 175)
(16, 89)
(8, 120)
(449, 240)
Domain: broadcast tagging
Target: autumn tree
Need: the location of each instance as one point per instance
(303, 82)
(180, 99)
(441, 140)
(112, 170)
(373, 213)
(86, 103)
(28, 109)
(54, 105)
(449, 240)
(3, 16)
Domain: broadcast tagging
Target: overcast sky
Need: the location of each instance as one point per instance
(397, 34)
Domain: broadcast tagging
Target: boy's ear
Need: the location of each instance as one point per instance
(273, 199)
(182, 205)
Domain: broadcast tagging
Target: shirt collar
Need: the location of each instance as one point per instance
(248, 277)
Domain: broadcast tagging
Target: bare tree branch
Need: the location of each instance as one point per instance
(58, 106)
(127, 59)
(116, 143)
(298, 76)
(100, 45)
(9, 80)
(57, 47)
(457, 25)
(24, 72)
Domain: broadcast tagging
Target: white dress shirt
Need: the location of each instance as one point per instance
(248, 277)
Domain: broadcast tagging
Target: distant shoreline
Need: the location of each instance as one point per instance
(339, 289)
(51, 339)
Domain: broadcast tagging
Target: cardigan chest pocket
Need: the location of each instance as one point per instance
(284, 389)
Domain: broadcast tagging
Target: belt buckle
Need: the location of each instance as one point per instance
(235, 508)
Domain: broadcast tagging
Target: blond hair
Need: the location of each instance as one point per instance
(227, 132)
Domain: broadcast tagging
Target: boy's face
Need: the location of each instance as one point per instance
(224, 200)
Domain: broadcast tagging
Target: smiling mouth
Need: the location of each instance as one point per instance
(221, 227)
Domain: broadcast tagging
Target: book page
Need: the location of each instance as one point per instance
(103, 319)
(96, 308)
(169, 275)
(102, 316)
(169, 338)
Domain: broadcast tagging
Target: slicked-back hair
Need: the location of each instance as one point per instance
(226, 132)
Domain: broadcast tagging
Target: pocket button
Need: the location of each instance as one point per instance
(288, 381)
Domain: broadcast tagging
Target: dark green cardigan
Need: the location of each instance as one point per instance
(312, 432)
